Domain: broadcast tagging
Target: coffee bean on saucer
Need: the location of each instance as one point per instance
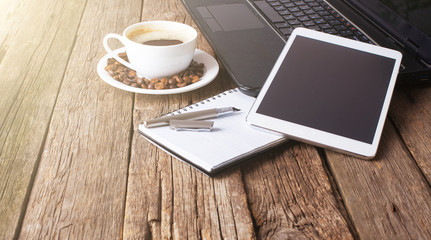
(129, 77)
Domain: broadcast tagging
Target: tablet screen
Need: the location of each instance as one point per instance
(329, 87)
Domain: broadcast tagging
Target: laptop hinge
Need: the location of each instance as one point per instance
(411, 45)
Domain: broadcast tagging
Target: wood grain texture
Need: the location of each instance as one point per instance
(35, 45)
(411, 114)
(80, 186)
(388, 197)
(72, 164)
(167, 198)
(291, 197)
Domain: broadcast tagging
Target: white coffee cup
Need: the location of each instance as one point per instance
(152, 61)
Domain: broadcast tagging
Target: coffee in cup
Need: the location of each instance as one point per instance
(156, 49)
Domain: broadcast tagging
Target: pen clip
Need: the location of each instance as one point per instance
(191, 125)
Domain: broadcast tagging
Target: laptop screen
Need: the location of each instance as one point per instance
(406, 20)
(415, 12)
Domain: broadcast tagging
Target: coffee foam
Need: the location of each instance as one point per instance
(142, 35)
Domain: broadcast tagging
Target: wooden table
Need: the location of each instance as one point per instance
(72, 164)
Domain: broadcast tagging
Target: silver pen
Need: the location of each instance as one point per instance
(197, 115)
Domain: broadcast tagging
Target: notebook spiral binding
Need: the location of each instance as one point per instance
(191, 106)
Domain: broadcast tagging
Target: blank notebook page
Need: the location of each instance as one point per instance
(230, 140)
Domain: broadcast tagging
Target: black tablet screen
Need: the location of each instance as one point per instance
(330, 88)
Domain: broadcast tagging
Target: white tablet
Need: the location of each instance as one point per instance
(329, 91)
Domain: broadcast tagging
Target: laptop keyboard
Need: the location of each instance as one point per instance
(286, 15)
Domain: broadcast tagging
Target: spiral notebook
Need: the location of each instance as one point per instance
(231, 141)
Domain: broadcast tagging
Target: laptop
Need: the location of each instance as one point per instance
(248, 35)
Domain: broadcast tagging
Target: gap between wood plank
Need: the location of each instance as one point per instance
(129, 157)
(341, 205)
(129, 153)
(408, 150)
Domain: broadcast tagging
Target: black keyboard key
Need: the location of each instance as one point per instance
(364, 38)
(325, 5)
(313, 4)
(328, 17)
(346, 33)
(330, 31)
(315, 27)
(334, 22)
(319, 21)
(312, 16)
(338, 16)
(303, 18)
(298, 14)
(282, 25)
(294, 22)
(274, 4)
(355, 38)
(359, 33)
(310, 12)
(340, 27)
(288, 5)
(294, 9)
(308, 23)
(300, 3)
(325, 26)
(286, 31)
(323, 13)
(269, 11)
(289, 17)
(353, 29)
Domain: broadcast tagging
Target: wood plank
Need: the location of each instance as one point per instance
(79, 190)
(411, 114)
(167, 198)
(290, 196)
(388, 197)
(170, 198)
(11, 21)
(32, 63)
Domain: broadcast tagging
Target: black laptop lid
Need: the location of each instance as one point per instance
(246, 46)
(249, 49)
(405, 20)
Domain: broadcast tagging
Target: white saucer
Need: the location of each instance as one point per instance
(210, 72)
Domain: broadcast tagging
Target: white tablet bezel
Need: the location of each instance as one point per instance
(318, 137)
